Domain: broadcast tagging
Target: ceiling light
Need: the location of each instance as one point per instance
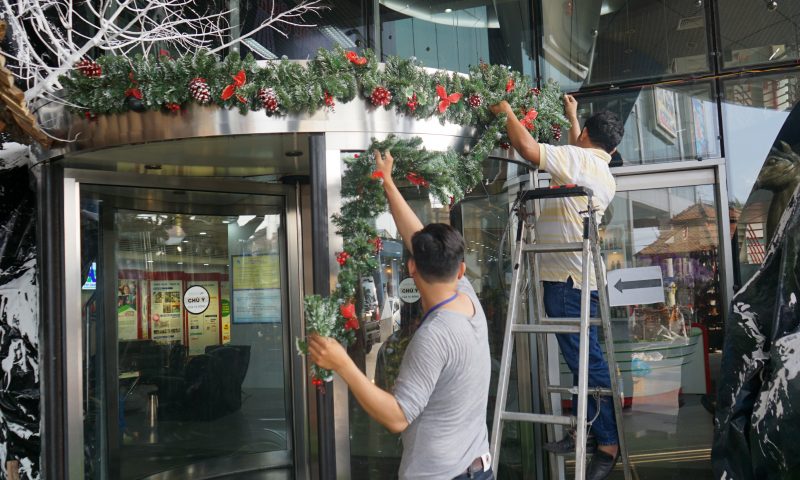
(448, 10)
(203, 233)
(186, 241)
(149, 261)
(179, 248)
(192, 217)
(180, 263)
(205, 264)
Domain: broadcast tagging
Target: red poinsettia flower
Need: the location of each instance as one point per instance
(417, 179)
(355, 59)
(351, 324)
(527, 120)
(238, 80)
(134, 92)
(348, 310)
(509, 85)
(377, 174)
(444, 99)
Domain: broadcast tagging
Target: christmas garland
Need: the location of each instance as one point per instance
(114, 84)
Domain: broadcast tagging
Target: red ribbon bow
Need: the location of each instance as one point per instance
(355, 59)
(445, 99)
(509, 85)
(348, 310)
(527, 120)
(417, 179)
(238, 80)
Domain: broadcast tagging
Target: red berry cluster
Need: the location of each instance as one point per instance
(341, 258)
(89, 68)
(172, 107)
(380, 97)
(330, 102)
(412, 102)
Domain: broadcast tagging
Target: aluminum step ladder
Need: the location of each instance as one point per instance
(525, 278)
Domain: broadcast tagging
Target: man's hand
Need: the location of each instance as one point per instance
(327, 353)
(570, 106)
(384, 164)
(502, 107)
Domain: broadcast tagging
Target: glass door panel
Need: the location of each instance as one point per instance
(186, 327)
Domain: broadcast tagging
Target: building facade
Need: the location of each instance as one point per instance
(145, 209)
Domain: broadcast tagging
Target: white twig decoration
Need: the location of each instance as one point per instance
(49, 36)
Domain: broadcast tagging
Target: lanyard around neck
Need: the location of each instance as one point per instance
(438, 306)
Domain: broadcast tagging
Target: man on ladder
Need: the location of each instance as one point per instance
(584, 162)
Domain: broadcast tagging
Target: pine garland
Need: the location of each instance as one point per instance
(340, 76)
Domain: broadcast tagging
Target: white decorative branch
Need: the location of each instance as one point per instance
(47, 36)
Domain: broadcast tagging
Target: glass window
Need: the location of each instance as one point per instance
(665, 360)
(455, 35)
(185, 314)
(761, 142)
(758, 32)
(662, 124)
(591, 42)
(343, 25)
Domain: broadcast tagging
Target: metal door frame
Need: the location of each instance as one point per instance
(297, 455)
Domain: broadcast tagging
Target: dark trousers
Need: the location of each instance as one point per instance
(561, 299)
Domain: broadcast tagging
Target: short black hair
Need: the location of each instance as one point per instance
(605, 130)
(438, 252)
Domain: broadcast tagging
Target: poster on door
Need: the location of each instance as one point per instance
(203, 326)
(256, 288)
(225, 309)
(127, 309)
(166, 310)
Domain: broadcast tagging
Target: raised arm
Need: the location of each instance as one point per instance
(521, 139)
(404, 217)
(571, 109)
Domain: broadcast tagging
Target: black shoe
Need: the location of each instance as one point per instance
(566, 446)
(601, 466)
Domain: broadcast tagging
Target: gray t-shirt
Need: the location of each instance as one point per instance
(442, 388)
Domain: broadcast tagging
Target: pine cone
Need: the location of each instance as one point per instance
(381, 96)
(89, 68)
(475, 100)
(199, 90)
(268, 99)
(555, 129)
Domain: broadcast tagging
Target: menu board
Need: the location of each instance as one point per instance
(256, 288)
(204, 326)
(166, 310)
(127, 310)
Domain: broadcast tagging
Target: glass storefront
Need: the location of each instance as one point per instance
(662, 123)
(185, 319)
(761, 146)
(753, 33)
(596, 42)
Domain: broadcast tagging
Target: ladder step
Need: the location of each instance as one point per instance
(553, 247)
(537, 418)
(568, 321)
(526, 328)
(606, 392)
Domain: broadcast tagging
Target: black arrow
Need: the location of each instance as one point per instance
(653, 282)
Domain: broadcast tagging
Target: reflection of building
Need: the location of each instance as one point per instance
(696, 139)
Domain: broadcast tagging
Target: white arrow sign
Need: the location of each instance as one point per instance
(635, 286)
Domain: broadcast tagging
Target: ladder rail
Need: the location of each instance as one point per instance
(611, 360)
(505, 360)
(526, 257)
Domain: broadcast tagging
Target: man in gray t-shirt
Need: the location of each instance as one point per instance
(439, 399)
